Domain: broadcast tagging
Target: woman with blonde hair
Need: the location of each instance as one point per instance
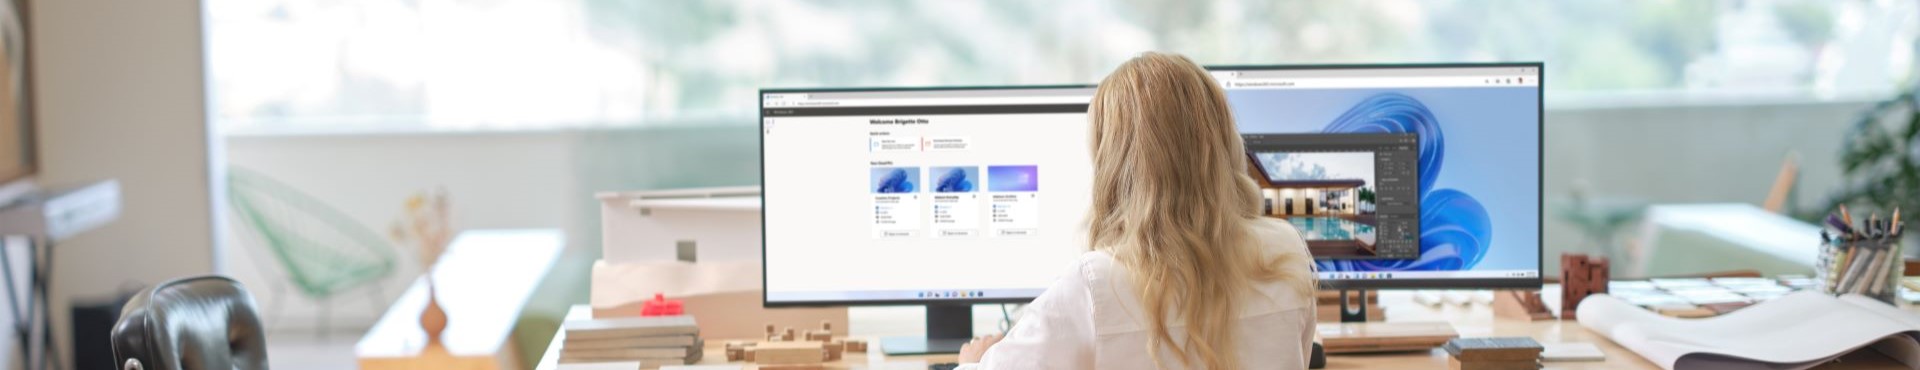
(1182, 272)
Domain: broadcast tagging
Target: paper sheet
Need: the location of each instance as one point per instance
(1770, 335)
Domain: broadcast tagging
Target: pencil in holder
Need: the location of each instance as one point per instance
(1861, 264)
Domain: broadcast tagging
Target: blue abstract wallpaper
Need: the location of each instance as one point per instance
(894, 180)
(1479, 162)
(956, 179)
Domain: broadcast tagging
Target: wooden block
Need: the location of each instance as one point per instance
(855, 345)
(746, 354)
(1580, 276)
(1456, 364)
(788, 335)
(1494, 349)
(819, 335)
(737, 350)
(793, 367)
(835, 350)
(784, 353)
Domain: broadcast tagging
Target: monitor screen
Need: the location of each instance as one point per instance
(1404, 176)
(890, 196)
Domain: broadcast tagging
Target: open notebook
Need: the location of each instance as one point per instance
(1796, 331)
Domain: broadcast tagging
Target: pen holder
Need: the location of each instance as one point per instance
(1867, 266)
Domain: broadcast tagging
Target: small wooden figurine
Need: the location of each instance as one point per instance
(1580, 276)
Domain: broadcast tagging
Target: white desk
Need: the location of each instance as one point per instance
(483, 281)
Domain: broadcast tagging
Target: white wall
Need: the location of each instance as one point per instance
(119, 96)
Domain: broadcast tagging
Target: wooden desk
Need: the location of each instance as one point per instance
(1477, 320)
(716, 353)
(1474, 320)
(483, 281)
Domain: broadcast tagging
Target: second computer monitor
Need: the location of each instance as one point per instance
(1400, 176)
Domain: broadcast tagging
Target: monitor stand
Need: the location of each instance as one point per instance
(1350, 314)
(949, 326)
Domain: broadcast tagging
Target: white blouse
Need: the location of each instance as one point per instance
(1091, 319)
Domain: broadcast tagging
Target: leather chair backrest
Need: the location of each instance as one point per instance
(197, 323)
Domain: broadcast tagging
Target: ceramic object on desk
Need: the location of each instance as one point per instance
(427, 223)
(433, 320)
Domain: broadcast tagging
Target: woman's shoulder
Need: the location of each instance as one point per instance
(1276, 235)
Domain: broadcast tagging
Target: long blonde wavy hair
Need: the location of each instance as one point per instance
(1173, 203)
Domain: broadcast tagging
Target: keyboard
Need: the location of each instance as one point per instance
(943, 366)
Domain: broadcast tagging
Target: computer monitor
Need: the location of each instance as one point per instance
(1400, 176)
(928, 196)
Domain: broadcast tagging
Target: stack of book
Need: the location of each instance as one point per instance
(649, 341)
(1503, 353)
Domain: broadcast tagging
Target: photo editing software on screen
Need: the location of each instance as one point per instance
(918, 195)
(1399, 173)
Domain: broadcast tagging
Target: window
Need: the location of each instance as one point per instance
(355, 65)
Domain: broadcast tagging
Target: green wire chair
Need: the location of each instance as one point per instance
(322, 251)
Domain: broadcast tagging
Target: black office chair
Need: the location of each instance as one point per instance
(197, 323)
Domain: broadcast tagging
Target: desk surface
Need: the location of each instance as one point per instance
(716, 352)
(483, 280)
(1477, 320)
(1474, 320)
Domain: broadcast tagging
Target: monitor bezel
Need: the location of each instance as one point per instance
(1540, 120)
(762, 113)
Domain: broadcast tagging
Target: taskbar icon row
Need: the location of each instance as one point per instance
(1356, 275)
(951, 294)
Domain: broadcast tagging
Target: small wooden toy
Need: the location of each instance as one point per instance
(737, 350)
(785, 353)
(1580, 276)
(791, 349)
(825, 334)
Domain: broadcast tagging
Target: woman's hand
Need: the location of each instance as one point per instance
(972, 351)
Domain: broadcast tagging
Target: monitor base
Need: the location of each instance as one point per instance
(1353, 313)
(949, 326)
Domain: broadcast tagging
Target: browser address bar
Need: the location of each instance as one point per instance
(883, 102)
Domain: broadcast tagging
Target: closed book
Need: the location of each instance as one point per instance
(628, 353)
(629, 342)
(614, 365)
(1506, 349)
(597, 364)
(1457, 364)
(631, 327)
